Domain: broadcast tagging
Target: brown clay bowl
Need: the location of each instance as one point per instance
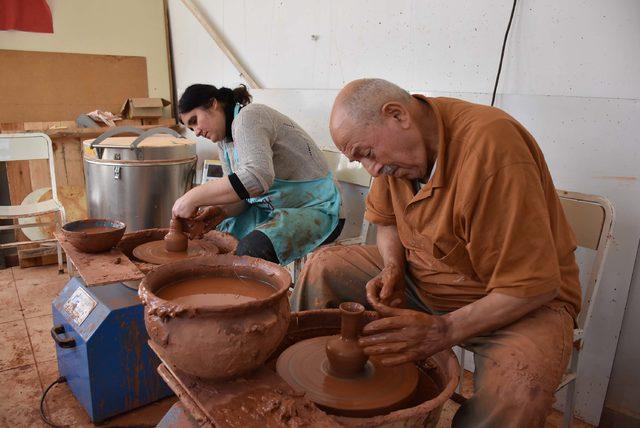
(216, 342)
(94, 235)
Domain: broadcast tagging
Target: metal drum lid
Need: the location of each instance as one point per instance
(152, 148)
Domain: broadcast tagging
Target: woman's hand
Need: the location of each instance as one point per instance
(184, 206)
(206, 219)
(387, 287)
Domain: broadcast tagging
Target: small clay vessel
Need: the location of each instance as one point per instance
(346, 358)
(176, 241)
(94, 235)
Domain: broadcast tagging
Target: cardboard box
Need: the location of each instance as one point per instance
(135, 108)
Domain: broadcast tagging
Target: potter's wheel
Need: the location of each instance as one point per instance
(377, 390)
(155, 252)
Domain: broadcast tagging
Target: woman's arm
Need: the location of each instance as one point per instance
(235, 209)
(215, 192)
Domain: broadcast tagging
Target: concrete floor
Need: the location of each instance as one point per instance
(28, 360)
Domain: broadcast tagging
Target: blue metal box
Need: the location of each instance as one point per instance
(101, 344)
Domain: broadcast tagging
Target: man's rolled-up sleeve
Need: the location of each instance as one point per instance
(379, 207)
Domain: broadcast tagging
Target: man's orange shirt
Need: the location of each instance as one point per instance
(489, 219)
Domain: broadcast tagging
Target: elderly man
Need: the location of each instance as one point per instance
(470, 235)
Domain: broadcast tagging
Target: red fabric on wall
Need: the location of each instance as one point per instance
(26, 15)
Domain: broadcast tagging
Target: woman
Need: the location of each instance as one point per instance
(278, 193)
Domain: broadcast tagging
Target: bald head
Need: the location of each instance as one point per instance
(383, 127)
(362, 100)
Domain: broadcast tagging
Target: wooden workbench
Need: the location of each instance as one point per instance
(100, 268)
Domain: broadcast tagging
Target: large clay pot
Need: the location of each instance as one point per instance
(217, 342)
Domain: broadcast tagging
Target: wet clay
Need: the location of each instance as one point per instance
(176, 241)
(97, 229)
(219, 291)
(223, 241)
(155, 252)
(94, 235)
(216, 342)
(438, 375)
(336, 375)
(260, 400)
(346, 358)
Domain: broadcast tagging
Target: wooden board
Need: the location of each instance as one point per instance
(100, 268)
(47, 86)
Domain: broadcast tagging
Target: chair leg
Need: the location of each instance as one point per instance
(60, 217)
(60, 266)
(569, 404)
(570, 397)
(461, 381)
(297, 268)
(70, 268)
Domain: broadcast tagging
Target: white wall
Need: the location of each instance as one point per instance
(570, 75)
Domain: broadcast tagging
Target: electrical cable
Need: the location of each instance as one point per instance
(504, 45)
(61, 379)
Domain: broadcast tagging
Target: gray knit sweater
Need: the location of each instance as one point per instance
(270, 145)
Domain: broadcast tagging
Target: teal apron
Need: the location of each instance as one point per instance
(297, 216)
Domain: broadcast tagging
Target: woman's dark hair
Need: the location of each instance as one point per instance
(201, 95)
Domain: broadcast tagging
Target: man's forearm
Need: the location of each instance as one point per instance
(488, 314)
(390, 246)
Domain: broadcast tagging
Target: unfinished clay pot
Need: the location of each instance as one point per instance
(94, 235)
(346, 358)
(176, 241)
(439, 374)
(222, 341)
(342, 380)
(225, 243)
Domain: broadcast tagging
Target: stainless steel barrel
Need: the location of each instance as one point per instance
(137, 179)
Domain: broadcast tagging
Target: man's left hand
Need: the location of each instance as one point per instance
(405, 336)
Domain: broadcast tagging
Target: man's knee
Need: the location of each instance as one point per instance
(513, 400)
(518, 369)
(331, 275)
(326, 258)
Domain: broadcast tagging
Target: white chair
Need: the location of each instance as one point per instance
(591, 218)
(354, 182)
(24, 147)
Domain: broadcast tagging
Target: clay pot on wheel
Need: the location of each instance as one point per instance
(216, 342)
(346, 357)
(176, 241)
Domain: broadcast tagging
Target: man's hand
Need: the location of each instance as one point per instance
(206, 219)
(387, 287)
(405, 336)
